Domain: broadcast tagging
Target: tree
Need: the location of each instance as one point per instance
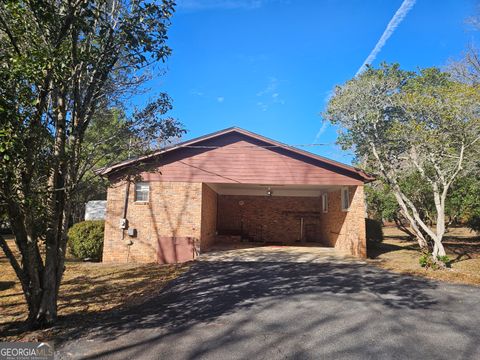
(422, 124)
(381, 205)
(467, 69)
(110, 138)
(465, 201)
(66, 65)
(463, 205)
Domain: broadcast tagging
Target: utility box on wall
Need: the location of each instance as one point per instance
(123, 224)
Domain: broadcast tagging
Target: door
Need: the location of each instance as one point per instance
(172, 250)
(310, 232)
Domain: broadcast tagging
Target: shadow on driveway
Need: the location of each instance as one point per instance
(245, 310)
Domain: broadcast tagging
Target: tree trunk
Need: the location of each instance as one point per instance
(399, 224)
(31, 294)
(422, 242)
(438, 249)
(47, 311)
(439, 199)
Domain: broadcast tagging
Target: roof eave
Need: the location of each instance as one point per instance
(108, 170)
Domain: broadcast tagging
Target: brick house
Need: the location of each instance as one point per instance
(230, 186)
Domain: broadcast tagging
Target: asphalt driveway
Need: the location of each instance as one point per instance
(286, 308)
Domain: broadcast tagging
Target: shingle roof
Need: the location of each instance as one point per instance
(118, 166)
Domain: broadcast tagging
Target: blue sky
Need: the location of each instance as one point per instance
(269, 65)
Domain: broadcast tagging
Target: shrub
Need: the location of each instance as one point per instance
(444, 259)
(474, 222)
(427, 261)
(374, 230)
(85, 239)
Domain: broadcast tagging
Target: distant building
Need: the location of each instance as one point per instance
(95, 210)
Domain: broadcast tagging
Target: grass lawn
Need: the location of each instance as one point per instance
(398, 254)
(88, 290)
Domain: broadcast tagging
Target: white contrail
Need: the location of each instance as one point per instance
(392, 25)
(320, 132)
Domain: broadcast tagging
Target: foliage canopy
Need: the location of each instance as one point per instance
(422, 126)
(66, 68)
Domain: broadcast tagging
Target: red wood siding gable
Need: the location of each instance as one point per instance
(237, 157)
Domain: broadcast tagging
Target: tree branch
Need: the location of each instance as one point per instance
(13, 41)
(13, 260)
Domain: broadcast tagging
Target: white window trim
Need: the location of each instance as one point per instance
(148, 192)
(347, 191)
(325, 202)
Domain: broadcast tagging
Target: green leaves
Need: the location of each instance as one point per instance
(418, 131)
(66, 67)
(85, 239)
(425, 115)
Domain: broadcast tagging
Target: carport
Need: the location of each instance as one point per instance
(275, 214)
(249, 215)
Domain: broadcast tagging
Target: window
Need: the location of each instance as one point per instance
(142, 190)
(325, 202)
(345, 199)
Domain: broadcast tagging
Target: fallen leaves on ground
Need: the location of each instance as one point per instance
(400, 255)
(88, 288)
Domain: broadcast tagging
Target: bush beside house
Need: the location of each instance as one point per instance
(374, 230)
(85, 239)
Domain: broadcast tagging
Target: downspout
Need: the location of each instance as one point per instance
(124, 220)
(125, 206)
(301, 229)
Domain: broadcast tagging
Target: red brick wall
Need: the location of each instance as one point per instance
(174, 210)
(209, 217)
(345, 229)
(266, 218)
(179, 209)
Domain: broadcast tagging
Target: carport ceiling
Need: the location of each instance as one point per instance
(276, 190)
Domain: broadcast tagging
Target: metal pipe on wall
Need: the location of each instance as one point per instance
(301, 229)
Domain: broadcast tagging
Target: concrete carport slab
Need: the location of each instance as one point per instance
(289, 254)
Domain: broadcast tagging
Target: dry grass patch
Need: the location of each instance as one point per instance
(398, 254)
(88, 289)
